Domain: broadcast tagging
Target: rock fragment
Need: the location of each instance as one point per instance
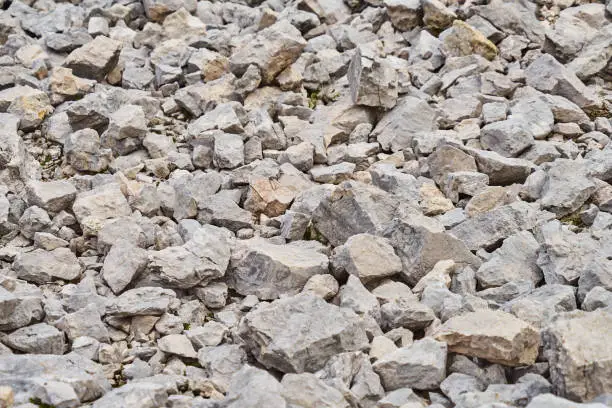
(492, 335)
(300, 333)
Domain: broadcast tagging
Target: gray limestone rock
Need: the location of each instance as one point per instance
(38, 338)
(267, 270)
(122, 264)
(515, 260)
(420, 247)
(486, 229)
(68, 380)
(580, 363)
(300, 333)
(143, 301)
(368, 257)
(94, 59)
(53, 196)
(272, 50)
(548, 75)
(410, 117)
(421, 366)
(353, 208)
(492, 335)
(42, 266)
(373, 80)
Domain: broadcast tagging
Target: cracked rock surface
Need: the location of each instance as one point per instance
(306, 203)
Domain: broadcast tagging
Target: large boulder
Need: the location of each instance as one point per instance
(492, 335)
(580, 361)
(299, 334)
(66, 381)
(353, 208)
(272, 50)
(267, 270)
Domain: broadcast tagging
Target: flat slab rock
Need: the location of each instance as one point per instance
(495, 336)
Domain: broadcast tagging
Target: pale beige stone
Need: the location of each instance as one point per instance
(495, 336)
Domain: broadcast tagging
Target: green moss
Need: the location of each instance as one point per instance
(186, 326)
(119, 378)
(572, 219)
(313, 99)
(312, 234)
(37, 401)
(597, 112)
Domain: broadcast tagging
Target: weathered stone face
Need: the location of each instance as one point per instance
(300, 333)
(494, 336)
(304, 204)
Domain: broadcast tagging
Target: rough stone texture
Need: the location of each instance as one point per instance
(192, 189)
(94, 59)
(272, 50)
(301, 333)
(42, 266)
(492, 335)
(421, 366)
(368, 257)
(580, 364)
(267, 270)
(352, 208)
(373, 81)
(463, 39)
(69, 379)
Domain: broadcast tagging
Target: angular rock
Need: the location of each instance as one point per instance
(259, 267)
(83, 151)
(508, 138)
(421, 366)
(272, 50)
(177, 344)
(145, 301)
(68, 380)
(122, 264)
(367, 257)
(38, 338)
(148, 395)
(514, 260)
(300, 333)
(548, 75)
(253, 387)
(410, 117)
(373, 81)
(492, 335)
(53, 196)
(486, 229)
(353, 208)
(404, 14)
(580, 363)
(221, 362)
(462, 39)
(420, 247)
(42, 266)
(94, 59)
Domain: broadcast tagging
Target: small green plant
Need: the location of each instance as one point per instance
(37, 401)
(119, 378)
(313, 99)
(186, 326)
(572, 219)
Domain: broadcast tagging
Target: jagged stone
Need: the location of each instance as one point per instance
(300, 333)
(579, 362)
(492, 335)
(259, 267)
